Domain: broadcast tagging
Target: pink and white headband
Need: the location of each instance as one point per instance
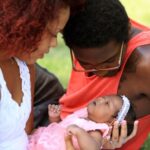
(124, 109)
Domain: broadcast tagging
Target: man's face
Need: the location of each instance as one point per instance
(105, 60)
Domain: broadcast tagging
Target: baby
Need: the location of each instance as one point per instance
(94, 120)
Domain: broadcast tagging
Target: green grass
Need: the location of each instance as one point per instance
(146, 146)
(58, 62)
(138, 10)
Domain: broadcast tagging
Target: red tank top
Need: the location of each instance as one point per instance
(82, 89)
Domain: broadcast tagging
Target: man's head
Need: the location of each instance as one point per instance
(96, 33)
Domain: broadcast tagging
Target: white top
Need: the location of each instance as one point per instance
(13, 117)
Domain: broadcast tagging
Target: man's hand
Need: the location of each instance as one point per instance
(117, 141)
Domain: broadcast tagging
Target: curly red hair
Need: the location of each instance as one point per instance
(22, 22)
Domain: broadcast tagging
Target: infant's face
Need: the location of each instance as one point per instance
(104, 109)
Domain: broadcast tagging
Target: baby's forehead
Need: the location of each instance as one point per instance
(115, 99)
(112, 97)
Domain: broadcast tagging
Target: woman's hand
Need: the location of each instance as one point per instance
(68, 141)
(86, 140)
(72, 130)
(117, 140)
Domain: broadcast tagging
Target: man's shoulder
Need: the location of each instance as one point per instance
(143, 54)
(141, 59)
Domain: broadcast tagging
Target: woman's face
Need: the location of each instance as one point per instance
(48, 39)
(104, 109)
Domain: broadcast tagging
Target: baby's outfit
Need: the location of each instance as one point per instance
(13, 117)
(52, 137)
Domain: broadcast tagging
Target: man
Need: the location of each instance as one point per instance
(110, 55)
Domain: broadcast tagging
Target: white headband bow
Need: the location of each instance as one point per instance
(124, 109)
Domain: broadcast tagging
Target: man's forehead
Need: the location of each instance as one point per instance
(94, 54)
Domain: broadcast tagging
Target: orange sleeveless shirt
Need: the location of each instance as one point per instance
(82, 89)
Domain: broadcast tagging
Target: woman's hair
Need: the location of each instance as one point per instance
(22, 22)
(99, 22)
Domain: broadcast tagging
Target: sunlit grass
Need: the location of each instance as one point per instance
(58, 62)
(138, 10)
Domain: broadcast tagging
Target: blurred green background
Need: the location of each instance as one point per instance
(58, 60)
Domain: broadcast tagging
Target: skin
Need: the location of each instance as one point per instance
(49, 38)
(101, 110)
(136, 70)
(8, 64)
(104, 109)
(100, 58)
(87, 140)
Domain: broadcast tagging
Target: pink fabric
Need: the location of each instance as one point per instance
(52, 137)
(82, 89)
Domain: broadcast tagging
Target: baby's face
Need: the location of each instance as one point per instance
(104, 109)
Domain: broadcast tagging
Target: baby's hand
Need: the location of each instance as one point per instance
(54, 113)
(74, 129)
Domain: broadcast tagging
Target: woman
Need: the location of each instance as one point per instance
(28, 29)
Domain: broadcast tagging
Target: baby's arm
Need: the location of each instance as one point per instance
(54, 113)
(86, 140)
